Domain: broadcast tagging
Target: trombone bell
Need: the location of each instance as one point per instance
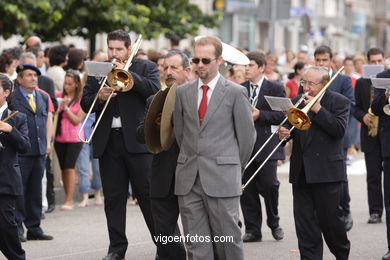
(298, 118)
(120, 80)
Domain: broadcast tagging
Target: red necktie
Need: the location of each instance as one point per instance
(203, 104)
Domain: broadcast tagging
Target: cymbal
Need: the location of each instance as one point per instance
(166, 129)
(151, 128)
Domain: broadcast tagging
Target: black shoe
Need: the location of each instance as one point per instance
(112, 256)
(50, 209)
(22, 238)
(278, 233)
(249, 237)
(38, 237)
(348, 222)
(386, 256)
(374, 219)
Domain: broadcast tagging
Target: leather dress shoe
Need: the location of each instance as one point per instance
(41, 236)
(112, 256)
(50, 209)
(386, 256)
(374, 219)
(249, 237)
(348, 221)
(22, 238)
(278, 233)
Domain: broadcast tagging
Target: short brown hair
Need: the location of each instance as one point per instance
(211, 40)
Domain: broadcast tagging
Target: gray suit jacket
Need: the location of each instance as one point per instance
(220, 148)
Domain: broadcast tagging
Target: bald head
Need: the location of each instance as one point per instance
(33, 41)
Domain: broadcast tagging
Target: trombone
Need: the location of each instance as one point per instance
(120, 80)
(298, 118)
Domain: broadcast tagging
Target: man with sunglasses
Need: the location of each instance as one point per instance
(214, 130)
(266, 182)
(317, 170)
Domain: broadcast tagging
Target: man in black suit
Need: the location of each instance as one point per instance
(13, 140)
(121, 157)
(317, 171)
(35, 104)
(382, 99)
(369, 138)
(164, 203)
(343, 85)
(266, 182)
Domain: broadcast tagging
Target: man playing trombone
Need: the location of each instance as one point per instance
(317, 170)
(266, 182)
(121, 157)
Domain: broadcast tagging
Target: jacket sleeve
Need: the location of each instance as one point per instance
(140, 134)
(90, 91)
(379, 101)
(18, 137)
(147, 82)
(359, 112)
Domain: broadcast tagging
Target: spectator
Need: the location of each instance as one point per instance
(292, 86)
(58, 56)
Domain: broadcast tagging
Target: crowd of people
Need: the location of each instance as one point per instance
(199, 182)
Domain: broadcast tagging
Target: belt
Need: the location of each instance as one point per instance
(116, 130)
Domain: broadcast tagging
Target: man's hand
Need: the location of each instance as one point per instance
(316, 107)
(5, 127)
(367, 120)
(118, 64)
(255, 114)
(283, 133)
(105, 92)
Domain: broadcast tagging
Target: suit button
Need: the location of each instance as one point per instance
(317, 154)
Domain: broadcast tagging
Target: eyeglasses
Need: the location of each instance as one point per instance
(204, 60)
(310, 83)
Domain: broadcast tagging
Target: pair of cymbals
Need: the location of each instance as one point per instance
(159, 135)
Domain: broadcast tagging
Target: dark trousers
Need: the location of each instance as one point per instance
(9, 237)
(165, 214)
(50, 194)
(386, 189)
(374, 169)
(29, 206)
(345, 198)
(267, 185)
(117, 168)
(317, 213)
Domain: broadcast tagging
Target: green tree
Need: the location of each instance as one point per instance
(52, 19)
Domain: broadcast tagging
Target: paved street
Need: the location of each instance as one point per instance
(81, 233)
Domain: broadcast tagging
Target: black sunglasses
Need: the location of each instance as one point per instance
(204, 60)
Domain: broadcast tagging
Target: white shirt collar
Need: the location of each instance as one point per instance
(211, 84)
(258, 83)
(3, 108)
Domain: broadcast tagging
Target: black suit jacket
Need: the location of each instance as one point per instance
(47, 84)
(163, 164)
(267, 118)
(319, 150)
(362, 97)
(131, 106)
(15, 142)
(384, 120)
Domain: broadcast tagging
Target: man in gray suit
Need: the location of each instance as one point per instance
(214, 129)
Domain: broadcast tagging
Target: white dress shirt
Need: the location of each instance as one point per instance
(211, 86)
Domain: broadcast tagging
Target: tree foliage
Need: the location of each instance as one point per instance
(52, 19)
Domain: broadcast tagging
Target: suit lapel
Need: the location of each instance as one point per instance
(192, 100)
(22, 100)
(39, 100)
(215, 100)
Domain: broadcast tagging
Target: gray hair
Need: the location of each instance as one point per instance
(324, 73)
(27, 55)
(185, 61)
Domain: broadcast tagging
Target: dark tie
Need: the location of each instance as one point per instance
(203, 104)
(254, 88)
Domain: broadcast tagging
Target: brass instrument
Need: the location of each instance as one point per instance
(120, 80)
(298, 117)
(374, 122)
(386, 108)
(265, 143)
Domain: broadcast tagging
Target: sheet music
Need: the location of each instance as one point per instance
(98, 69)
(370, 71)
(383, 83)
(282, 104)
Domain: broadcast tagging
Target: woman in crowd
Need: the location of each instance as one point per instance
(292, 86)
(67, 144)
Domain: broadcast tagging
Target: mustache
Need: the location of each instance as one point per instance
(170, 77)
